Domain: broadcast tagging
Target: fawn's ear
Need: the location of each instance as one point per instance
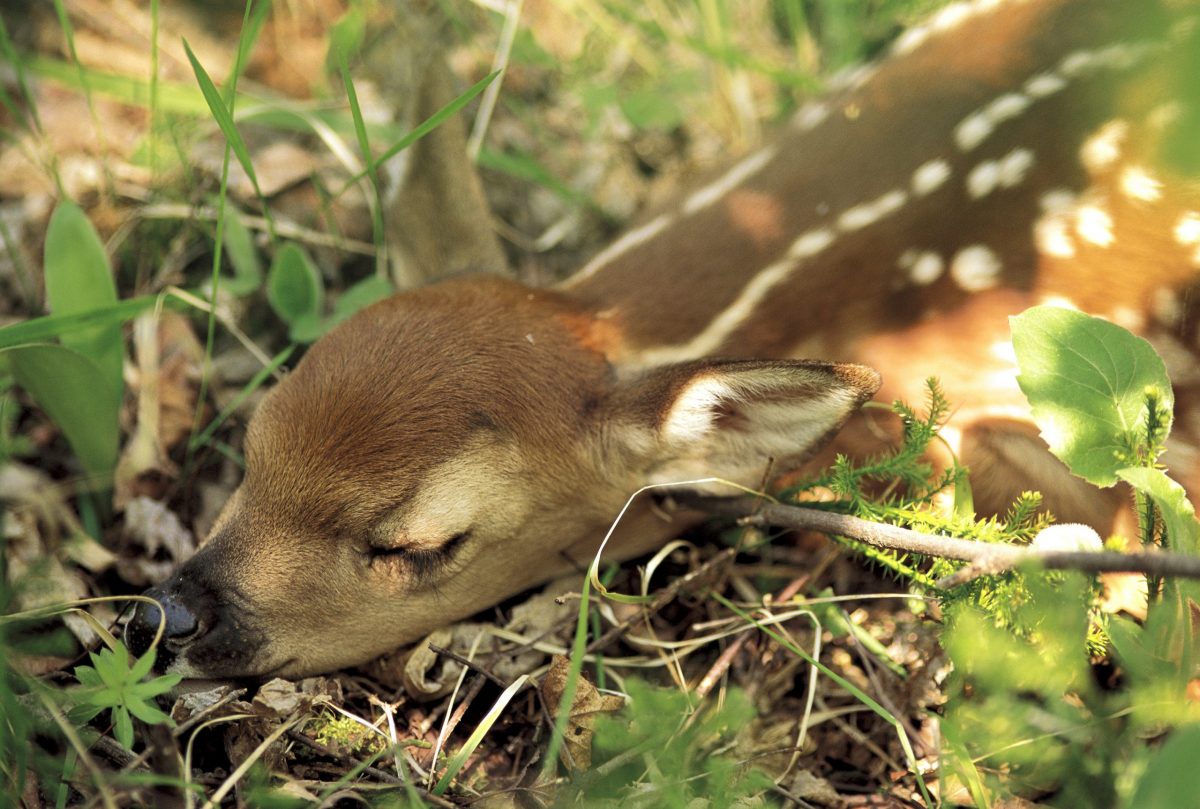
(729, 419)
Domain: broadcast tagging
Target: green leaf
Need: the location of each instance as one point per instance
(72, 390)
(79, 278)
(102, 698)
(346, 38)
(1172, 778)
(159, 685)
(239, 246)
(87, 676)
(223, 117)
(147, 713)
(359, 296)
(294, 287)
(141, 667)
(123, 727)
(44, 328)
(1087, 381)
(1183, 531)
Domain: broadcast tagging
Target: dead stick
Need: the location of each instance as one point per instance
(994, 557)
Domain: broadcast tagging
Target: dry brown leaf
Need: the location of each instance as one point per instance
(153, 544)
(587, 704)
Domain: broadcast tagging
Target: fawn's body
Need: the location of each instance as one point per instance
(456, 444)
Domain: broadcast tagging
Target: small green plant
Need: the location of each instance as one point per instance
(116, 684)
(1024, 714)
(677, 740)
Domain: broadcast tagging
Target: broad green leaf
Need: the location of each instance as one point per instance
(361, 295)
(79, 279)
(1183, 530)
(73, 391)
(1087, 381)
(294, 287)
(239, 246)
(307, 328)
(1172, 778)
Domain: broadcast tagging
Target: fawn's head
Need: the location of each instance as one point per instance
(447, 448)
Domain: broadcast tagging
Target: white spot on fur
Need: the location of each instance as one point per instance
(743, 169)
(810, 116)
(1103, 149)
(1187, 229)
(1057, 200)
(923, 266)
(1006, 172)
(976, 268)
(811, 243)
(972, 131)
(1139, 184)
(979, 125)
(868, 213)
(1059, 301)
(1045, 84)
(930, 176)
(1168, 308)
(1095, 225)
(1053, 236)
(624, 244)
(1164, 115)
(1129, 318)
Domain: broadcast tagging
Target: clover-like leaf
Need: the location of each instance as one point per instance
(294, 287)
(1088, 382)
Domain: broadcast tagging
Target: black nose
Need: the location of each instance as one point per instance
(181, 622)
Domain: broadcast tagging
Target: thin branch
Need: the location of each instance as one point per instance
(985, 557)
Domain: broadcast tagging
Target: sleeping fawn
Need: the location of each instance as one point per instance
(454, 445)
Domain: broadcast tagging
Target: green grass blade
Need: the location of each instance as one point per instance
(364, 146)
(222, 114)
(251, 386)
(78, 279)
(72, 390)
(9, 55)
(460, 758)
(51, 326)
(431, 123)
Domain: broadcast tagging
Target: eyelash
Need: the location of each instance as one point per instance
(423, 563)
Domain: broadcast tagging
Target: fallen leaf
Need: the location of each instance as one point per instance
(153, 544)
(587, 704)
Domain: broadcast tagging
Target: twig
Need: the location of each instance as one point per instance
(986, 556)
(467, 663)
(344, 759)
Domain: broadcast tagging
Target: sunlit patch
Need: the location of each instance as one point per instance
(976, 268)
(1094, 225)
(1139, 184)
(923, 266)
(1103, 149)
